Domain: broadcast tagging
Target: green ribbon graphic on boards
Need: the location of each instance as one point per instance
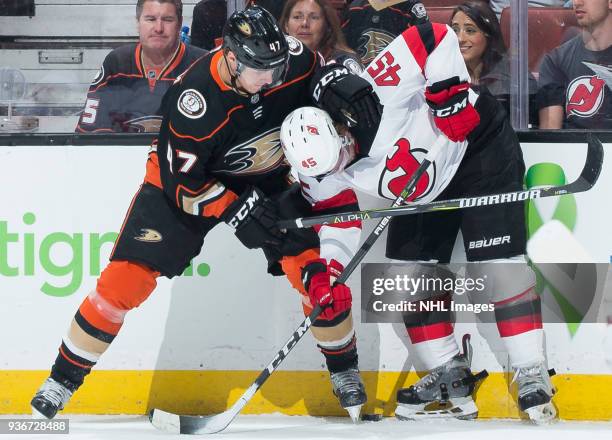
(566, 212)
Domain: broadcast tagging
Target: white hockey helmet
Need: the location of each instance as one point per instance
(311, 143)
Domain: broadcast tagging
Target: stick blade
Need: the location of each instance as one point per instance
(594, 162)
(177, 424)
(165, 421)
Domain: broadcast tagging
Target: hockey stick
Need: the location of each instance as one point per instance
(586, 180)
(183, 424)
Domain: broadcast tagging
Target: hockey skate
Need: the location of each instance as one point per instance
(446, 392)
(349, 390)
(49, 399)
(535, 392)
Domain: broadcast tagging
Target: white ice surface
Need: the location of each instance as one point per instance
(304, 428)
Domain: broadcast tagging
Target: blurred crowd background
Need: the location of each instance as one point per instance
(103, 66)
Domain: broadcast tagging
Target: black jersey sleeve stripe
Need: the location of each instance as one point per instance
(427, 36)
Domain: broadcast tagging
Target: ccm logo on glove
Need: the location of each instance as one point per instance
(453, 113)
(337, 72)
(244, 210)
(320, 283)
(452, 109)
(253, 217)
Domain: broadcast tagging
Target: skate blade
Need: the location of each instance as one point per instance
(462, 408)
(354, 412)
(38, 415)
(542, 414)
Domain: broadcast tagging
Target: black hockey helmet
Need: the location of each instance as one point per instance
(254, 37)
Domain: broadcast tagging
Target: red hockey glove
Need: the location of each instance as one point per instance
(319, 282)
(453, 113)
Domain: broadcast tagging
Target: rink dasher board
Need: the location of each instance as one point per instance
(84, 192)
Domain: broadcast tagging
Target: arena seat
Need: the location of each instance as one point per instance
(440, 3)
(548, 28)
(440, 14)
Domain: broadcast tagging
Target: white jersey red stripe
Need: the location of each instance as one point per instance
(399, 75)
(422, 40)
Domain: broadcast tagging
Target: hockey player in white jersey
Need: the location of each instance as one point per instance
(422, 81)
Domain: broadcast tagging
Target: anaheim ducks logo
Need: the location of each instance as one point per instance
(371, 43)
(245, 28)
(399, 168)
(145, 124)
(149, 235)
(256, 156)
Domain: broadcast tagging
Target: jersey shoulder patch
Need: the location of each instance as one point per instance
(188, 103)
(296, 47)
(191, 104)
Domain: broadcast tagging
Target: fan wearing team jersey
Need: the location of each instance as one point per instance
(422, 81)
(217, 160)
(127, 91)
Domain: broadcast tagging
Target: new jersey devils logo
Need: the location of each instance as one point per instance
(585, 95)
(399, 167)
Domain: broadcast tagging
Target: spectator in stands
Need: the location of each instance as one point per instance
(341, 7)
(275, 7)
(209, 17)
(315, 23)
(499, 5)
(126, 93)
(485, 54)
(574, 76)
(369, 31)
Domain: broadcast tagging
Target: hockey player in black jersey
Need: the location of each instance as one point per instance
(218, 159)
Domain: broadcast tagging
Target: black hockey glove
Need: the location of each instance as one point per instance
(348, 98)
(253, 217)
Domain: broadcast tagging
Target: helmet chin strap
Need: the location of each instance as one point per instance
(234, 78)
